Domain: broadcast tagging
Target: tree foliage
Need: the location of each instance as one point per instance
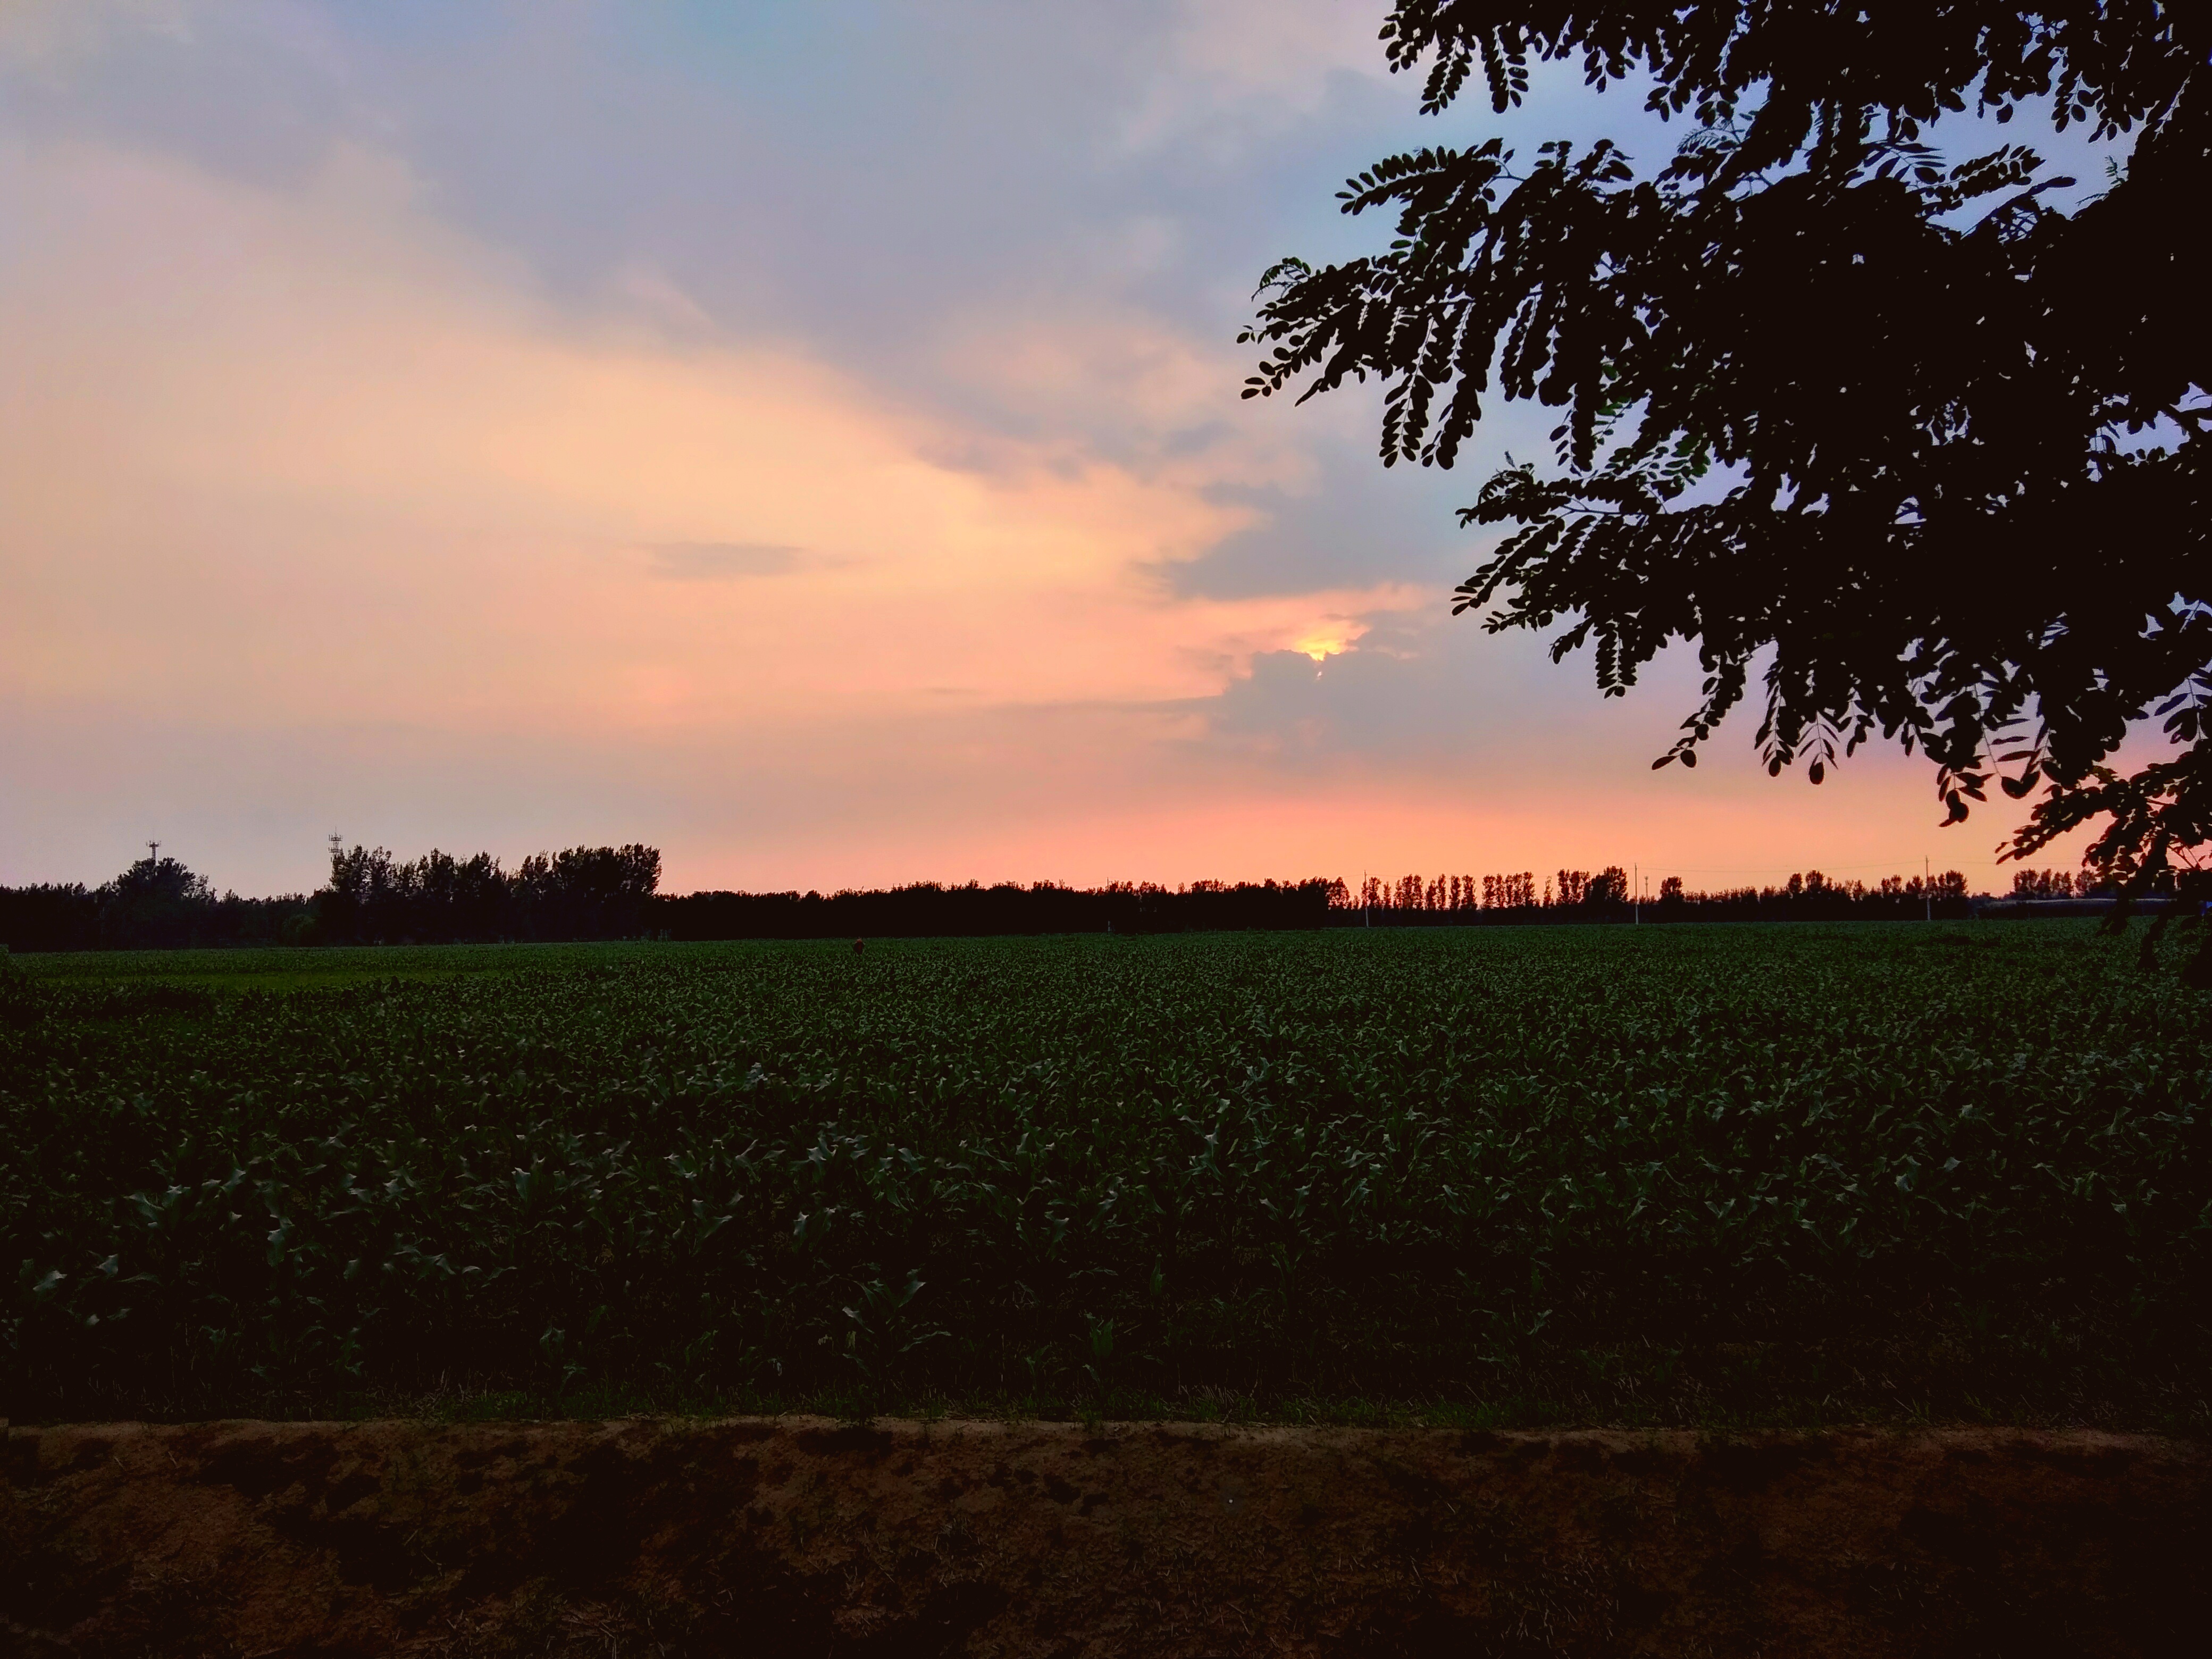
(583, 892)
(1933, 439)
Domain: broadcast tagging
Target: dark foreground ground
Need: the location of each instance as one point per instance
(805, 1536)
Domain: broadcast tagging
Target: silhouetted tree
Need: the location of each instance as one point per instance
(585, 892)
(1934, 442)
(156, 902)
(49, 916)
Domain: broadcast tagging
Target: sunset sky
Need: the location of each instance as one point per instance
(804, 436)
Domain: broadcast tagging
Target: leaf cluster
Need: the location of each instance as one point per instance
(1934, 442)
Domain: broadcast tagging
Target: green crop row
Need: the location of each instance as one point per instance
(1655, 1174)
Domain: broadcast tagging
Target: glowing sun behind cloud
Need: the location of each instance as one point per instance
(1330, 641)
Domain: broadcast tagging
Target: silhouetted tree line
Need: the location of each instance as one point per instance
(1606, 895)
(927, 908)
(157, 904)
(585, 892)
(613, 892)
(2054, 885)
(609, 892)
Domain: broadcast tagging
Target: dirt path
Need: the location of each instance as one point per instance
(806, 1537)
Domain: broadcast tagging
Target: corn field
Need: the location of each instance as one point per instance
(1703, 1175)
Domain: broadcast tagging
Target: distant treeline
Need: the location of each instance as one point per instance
(585, 892)
(157, 904)
(1606, 895)
(926, 909)
(613, 892)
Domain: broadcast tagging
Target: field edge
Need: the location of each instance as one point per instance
(817, 1534)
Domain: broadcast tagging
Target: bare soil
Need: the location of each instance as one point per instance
(807, 1536)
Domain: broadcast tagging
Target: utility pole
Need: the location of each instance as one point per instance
(153, 852)
(1927, 887)
(1636, 894)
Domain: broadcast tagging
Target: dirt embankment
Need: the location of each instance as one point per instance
(809, 1537)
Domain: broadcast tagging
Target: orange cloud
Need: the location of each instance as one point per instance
(275, 456)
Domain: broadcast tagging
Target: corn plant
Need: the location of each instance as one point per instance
(1755, 1172)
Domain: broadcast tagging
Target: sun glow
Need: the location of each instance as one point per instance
(1328, 642)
